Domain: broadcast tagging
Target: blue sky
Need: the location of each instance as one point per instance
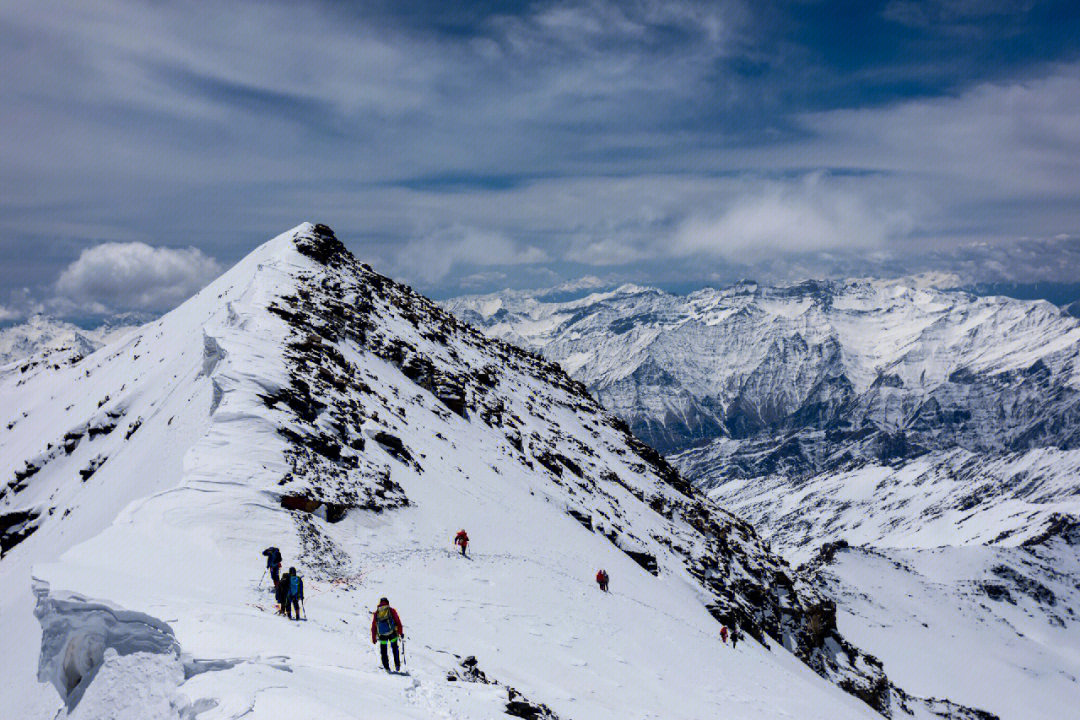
(469, 147)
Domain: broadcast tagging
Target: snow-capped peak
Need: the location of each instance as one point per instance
(304, 401)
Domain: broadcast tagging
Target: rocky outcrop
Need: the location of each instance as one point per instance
(349, 309)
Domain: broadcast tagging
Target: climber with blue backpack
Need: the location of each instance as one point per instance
(294, 593)
(387, 630)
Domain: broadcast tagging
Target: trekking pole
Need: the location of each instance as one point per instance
(261, 577)
(302, 605)
(403, 660)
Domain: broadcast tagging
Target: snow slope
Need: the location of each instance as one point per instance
(992, 624)
(948, 498)
(303, 400)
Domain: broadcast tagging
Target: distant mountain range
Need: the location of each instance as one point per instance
(916, 448)
(941, 400)
(42, 339)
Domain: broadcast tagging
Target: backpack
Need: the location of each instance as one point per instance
(384, 622)
(294, 585)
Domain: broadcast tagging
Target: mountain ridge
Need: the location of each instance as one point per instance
(42, 339)
(305, 398)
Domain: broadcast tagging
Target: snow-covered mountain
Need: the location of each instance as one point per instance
(45, 340)
(305, 401)
(869, 409)
(950, 497)
(913, 366)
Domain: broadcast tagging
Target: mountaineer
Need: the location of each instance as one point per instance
(386, 629)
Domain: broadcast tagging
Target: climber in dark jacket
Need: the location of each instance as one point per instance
(294, 587)
(273, 563)
(386, 629)
(281, 591)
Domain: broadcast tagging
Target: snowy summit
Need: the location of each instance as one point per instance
(306, 402)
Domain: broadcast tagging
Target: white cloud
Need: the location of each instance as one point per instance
(20, 304)
(997, 140)
(432, 257)
(812, 215)
(117, 277)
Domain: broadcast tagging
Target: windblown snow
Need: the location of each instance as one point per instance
(304, 401)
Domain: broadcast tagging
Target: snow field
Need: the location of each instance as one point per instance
(926, 616)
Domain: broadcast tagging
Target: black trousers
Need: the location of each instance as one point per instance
(274, 574)
(382, 652)
(292, 603)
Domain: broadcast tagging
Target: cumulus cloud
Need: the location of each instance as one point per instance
(119, 277)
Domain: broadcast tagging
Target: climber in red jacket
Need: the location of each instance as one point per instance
(602, 579)
(462, 539)
(386, 629)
